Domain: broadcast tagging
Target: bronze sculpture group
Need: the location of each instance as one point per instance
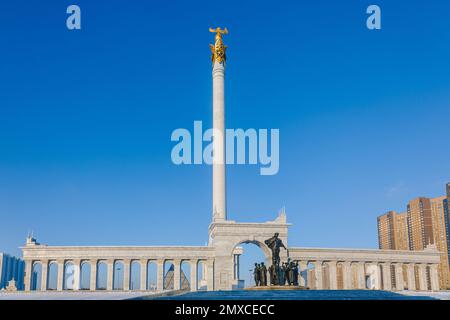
(280, 275)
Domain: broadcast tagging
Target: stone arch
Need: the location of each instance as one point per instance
(36, 276)
(102, 275)
(258, 243)
(152, 275)
(135, 275)
(85, 275)
(118, 275)
(185, 274)
(52, 275)
(69, 276)
(168, 274)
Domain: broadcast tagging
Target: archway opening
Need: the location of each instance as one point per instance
(85, 276)
(185, 275)
(135, 276)
(69, 276)
(52, 276)
(102, 275)
(152, 276)
(168, 275)
(202, 283)
(118, 273)
(245, 256)
(36, 277)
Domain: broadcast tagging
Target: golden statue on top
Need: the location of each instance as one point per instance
(218, 49)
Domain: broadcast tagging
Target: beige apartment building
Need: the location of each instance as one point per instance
(393, 231)
(425, 223)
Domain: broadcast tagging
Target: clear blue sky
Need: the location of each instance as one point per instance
(86, 117)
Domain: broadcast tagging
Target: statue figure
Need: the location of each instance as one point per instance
(295, 273)
(263, 274)
(218, 49)
(256, 275)
(275, 244)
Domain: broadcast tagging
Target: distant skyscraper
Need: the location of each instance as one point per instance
(393, 231)
(426, 226)
(11, 268)
(447, 220)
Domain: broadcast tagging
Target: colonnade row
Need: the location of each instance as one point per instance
(69, 274)
(337, 275)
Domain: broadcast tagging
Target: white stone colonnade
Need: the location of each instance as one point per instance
(77, 256)
(348, 269)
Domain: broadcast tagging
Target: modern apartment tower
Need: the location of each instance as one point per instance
(393, 231)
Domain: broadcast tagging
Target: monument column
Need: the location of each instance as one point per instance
(160, 276)
(176, 274)
(218, 75)
(332, 269)
(144, 267)
(347, 275)
(44, 275)
(411, 277)
(93, 280)
(126, 274)
(110, 278)
(434, 277)
(318, 275)
(361, 275)
(76, 274)
(387, 283)
(399, 282)
(60, 279)
(193, 275)
(28, 277)
(423, 286)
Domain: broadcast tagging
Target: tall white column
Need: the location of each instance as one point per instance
(332, 269)
(110, 275)
(411, 275)
(318, 275)
(347, 275)
(160, 275)
(423, 285)
(434, 275)
(61, 271)
(176, 274)
(387, 283)
(194, 275)
(143, 285)
(76, 274)
(44, 275)
(126, 274)
(219, 196)
(399, 282)
(28, 277)
(361, 275)
(93, 280)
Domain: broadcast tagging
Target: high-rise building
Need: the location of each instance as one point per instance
(447, 221)
(426, 226)
(393, 231)
(11, 268)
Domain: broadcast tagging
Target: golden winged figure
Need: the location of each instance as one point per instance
(218, 49)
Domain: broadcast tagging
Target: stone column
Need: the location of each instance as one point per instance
(411, 276)
(378, 277)
(93, 280)
(399, 282)
(347, 275)
(176, 274)
(219, 195)
(76, 274)
(303, 265)
(28, 271)
(332, 268)
(144, 269)
(423, 285)
(318, 275)
(44, 275)
(387, 283)
(160, 276)
(434, 277)
(193, 275)
(210, 275)
(361, 275)
(126, 274)
(110, 276)
(60, 280)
